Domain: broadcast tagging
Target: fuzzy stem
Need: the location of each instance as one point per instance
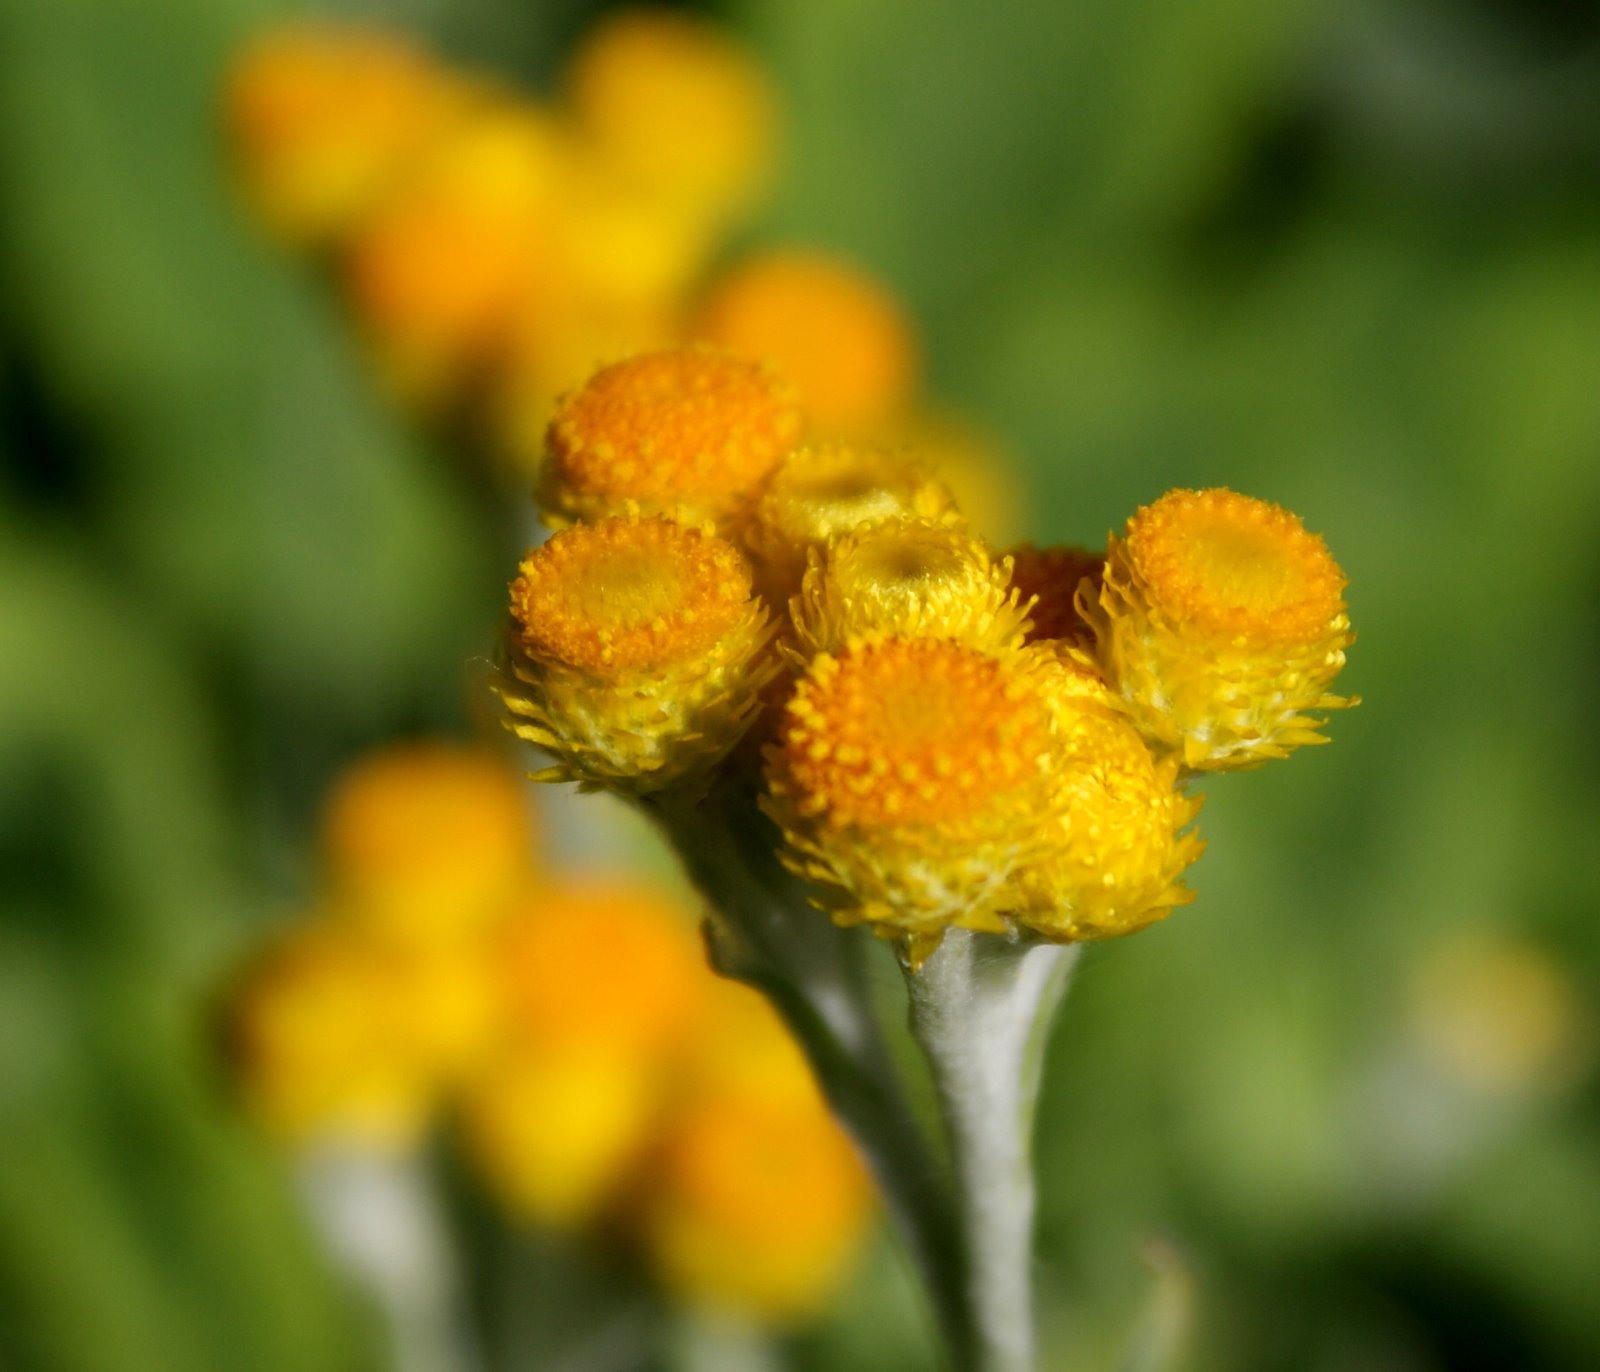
(762, 931)
(981, 1009)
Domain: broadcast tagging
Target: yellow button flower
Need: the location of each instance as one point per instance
(685, 431)
(908, 779)
(427, 842)
(832, 330)
(324, 120)
(908, 578)
(1220, 622)
(637, 652)
(1114, 842)
(829, 488)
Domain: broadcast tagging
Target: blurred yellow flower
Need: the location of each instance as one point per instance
(335, 1036)
(1220, 621)
(833, 331)
(1499, 1015)
(677, 106)
(440, 271)
(600, 983)
(324, 120)
(427, 841)
(754, 1205)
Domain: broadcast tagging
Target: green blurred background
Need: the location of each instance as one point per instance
(1342, 254)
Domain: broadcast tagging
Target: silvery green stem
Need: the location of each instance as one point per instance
(980, 1009)
(763, 931)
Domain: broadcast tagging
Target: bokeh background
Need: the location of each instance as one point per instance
(1343, 1113)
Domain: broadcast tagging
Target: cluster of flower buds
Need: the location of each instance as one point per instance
(594, 1072)
(953, 737)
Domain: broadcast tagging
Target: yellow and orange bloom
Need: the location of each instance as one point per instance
(1116, 841)
(831, 488)
(838, 335)
(1220, 621)
(907, 578)
(908, 778)
(427, 842)
(689, 431)
(637, 651)
(325, 120)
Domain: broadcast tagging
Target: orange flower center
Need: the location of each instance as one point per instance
(629, 593)
(1234, 565)
(910, 731)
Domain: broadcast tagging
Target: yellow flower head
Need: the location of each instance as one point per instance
(908, 578)
(636, 651)
(427, 841)
(1220, 622)
(828, 488)
(442, 270)
(324, 119)
(689, 430)
(835, 332)
(1049, 577)
(754, 1206)
(676, 105)
(334, 1035)
(1115, 845)
(908, 779)
(601, 984)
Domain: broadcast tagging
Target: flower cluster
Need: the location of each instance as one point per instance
(593, 1070)
(492, 245)
(952, 737)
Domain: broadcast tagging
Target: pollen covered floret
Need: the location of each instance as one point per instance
(829, 488)
(909, 578)
(689, 431)
(908, 778)
(1116, 844)
(636, 651)
(1220, 622)
(1049, 577)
